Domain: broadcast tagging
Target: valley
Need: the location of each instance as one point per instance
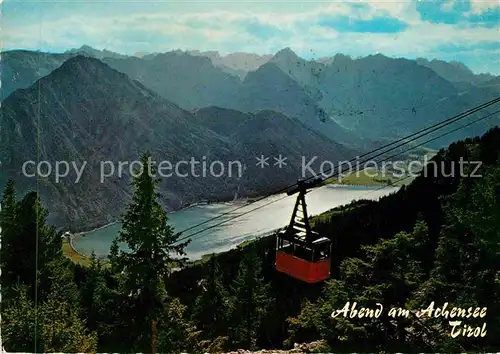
(283, 187)
(284, 97)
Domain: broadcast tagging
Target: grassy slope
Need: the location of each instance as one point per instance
(70, 253)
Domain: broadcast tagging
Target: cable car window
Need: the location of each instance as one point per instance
(304, 253)
(322, 251)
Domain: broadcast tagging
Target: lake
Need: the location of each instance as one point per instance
(251, 225)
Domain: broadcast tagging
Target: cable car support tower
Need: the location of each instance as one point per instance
(301, 252)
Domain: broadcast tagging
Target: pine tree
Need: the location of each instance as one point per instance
(28, 243)
(18, 323)
(466, 266)
(32, 260)
(94, 291)
(152, 245)
(8, 233)
(212, 305)
(387, 274)
(62, 328)
(114, 256)
(36, 244)
(250, 303)
(54, 326)
(175, 332)
(147, 234)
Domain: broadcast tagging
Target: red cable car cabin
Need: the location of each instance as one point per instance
(300, 252)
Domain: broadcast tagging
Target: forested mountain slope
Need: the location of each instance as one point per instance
(436, 240)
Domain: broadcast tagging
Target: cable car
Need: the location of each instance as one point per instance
(301, 252)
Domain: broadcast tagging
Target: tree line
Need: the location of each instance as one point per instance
(437, 239)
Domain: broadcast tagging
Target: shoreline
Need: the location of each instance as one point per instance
(242, 201)
(70, 241)
(80, 233)
(72, 236)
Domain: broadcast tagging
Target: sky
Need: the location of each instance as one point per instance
(462, 30)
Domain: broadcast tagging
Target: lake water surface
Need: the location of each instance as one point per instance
(248, 226)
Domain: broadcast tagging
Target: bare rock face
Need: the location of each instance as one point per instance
(372, 98)
(86, 112)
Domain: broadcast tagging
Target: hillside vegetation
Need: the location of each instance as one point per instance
(436, 240)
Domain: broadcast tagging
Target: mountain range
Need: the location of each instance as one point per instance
(92, 105)
(357, 102)
(235, 63)
(86, 111)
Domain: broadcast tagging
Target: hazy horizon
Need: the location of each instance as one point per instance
(226, 54)
(452, 30)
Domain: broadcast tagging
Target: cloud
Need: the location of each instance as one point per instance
(259, 29)
(462, 12)
(375, 25)
(489, 18)
(448, 12)
(479, 6)
(455, 48)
